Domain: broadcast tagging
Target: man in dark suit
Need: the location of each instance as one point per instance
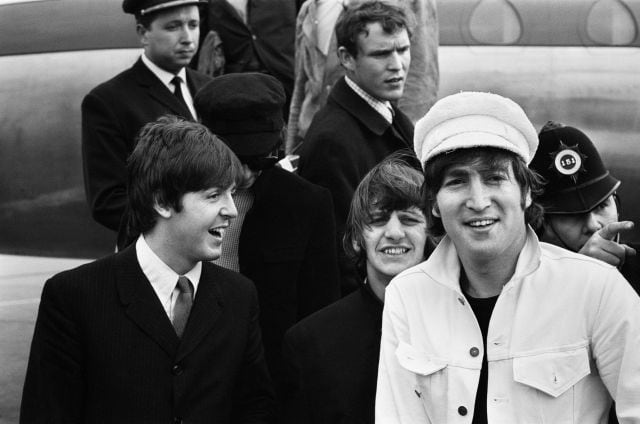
(359, 126)
(156, 333)
(159, 83)
(331, 356)
(283, 239)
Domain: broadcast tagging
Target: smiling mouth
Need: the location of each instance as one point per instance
(395, 251)
(217, 232)
(481, 223)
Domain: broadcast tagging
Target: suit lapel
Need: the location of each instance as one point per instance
(141, 302)
(206, 309)
(158, 91)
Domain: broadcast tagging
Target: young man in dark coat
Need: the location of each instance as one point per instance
(156, 333)
(283, 239)
(359, 126)
(159, 83)
(332, 356)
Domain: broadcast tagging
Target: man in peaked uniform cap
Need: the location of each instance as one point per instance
(159, 83)
(283, 238)
(580, 201)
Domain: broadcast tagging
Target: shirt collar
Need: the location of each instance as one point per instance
(162, 278)
(382, 107)
(164, 76)
(443, 265)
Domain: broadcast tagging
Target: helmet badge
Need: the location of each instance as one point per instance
(568, 161)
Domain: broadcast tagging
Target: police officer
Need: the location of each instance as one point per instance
(580, 200)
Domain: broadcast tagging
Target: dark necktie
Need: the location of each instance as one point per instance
(177, 83)
(183, 305)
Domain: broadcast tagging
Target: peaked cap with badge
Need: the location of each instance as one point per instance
(145, 7)
(576, 179)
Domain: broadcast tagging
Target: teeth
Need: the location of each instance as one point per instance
(395, 250)
(481, 223)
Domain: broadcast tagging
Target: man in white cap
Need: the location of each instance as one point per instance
(496, 326)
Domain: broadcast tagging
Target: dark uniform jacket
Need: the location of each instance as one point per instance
(347, 138)
(287, 247)
(332, 362)
(104, 351)
(112, 115)
(264, 44)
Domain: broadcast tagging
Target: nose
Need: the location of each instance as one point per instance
(592, 223)
(189, 35)
(229, 207)
(395, 61)
(393, 230)
(478, 198)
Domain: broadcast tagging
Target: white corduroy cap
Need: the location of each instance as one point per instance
(474, 119)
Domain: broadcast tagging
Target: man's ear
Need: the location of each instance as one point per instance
(142, 34)
(346, 60)
(435, 211)
(527, 199)
(356, 246)
(162, 210)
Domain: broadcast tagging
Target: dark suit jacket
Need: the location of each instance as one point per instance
(288, 249)
(347, 138)
(104, 351)
(112, 115)
(264, 44)
(332, 362)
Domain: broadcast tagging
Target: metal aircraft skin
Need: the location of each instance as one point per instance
(575, 61)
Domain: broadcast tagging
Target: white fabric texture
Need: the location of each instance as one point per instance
(474, 119)
(563, 335)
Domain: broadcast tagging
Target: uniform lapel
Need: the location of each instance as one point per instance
(158, 91)
(206, 309)
(141, 302)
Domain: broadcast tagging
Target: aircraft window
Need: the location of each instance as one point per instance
(495, 22)
(611, 23)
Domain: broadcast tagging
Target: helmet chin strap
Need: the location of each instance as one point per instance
(556, 235)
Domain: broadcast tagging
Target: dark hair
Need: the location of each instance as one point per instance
(489, 157)
(390, 186)
(174, 157)
(354, 21)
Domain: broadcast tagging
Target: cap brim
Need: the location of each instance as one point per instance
(252, 144)
(582, 199)
(472, 139)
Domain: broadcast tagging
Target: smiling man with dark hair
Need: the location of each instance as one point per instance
(497, 327)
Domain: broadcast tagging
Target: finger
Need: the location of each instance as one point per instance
(605, 250)
(609, 231)
(628, 250)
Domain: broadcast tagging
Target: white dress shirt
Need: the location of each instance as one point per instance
(163, 279)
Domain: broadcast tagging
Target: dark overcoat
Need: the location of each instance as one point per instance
(331, 362)
(288, 249)
(104, 351)
(112, 115)
(347, 138)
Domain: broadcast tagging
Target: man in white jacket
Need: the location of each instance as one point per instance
(496, 326)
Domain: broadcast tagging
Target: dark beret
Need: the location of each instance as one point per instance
(576, 179)
(144, 7)
(245, 110)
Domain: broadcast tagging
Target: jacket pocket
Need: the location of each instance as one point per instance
(552, 373)
(547, 389)
(431, 380)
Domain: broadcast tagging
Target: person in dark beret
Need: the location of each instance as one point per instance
(332, 355)
(283, 238)
(580, 201)
(159, 83)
